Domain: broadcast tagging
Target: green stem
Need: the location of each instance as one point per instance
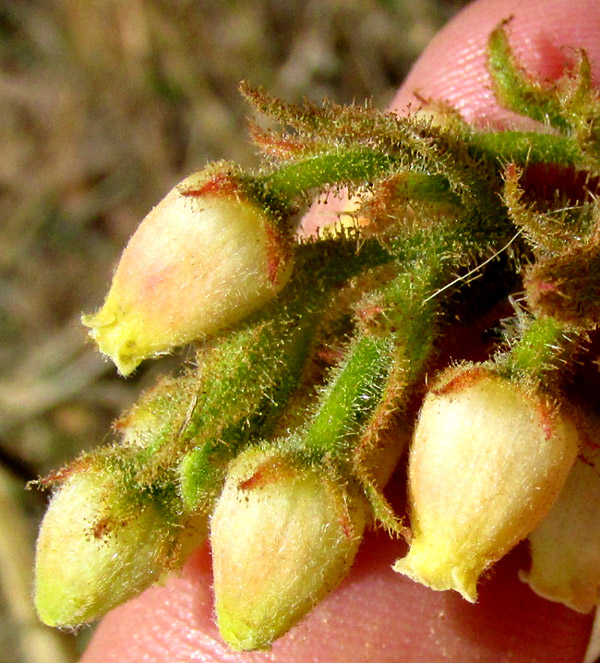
(525, 148)
(425, 187)
(260, 366)
(343, 167)
(386, 358)
(350, 397)
(434, 165)
(541, 355)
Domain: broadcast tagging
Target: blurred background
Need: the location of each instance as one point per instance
(104, 105)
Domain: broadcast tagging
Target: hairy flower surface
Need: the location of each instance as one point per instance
(565, 547)
(487, 461)
(91, 555)
(282, 537)
(202, 259)
(280, 425)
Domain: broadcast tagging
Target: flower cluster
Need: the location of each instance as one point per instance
(277, 443)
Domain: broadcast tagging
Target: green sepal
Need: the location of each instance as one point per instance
(518, 91)
(262, 365)
(541, 355)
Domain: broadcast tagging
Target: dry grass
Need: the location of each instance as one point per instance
(103, 106)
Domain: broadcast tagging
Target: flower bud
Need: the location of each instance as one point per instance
(282, 537)
(94, 553)
(487, 461)
(565, 547)
(204, 257)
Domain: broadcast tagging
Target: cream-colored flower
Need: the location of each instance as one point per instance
(565, 547)
(282, 537)
(95, 552)
(487, 462)
(202, 259)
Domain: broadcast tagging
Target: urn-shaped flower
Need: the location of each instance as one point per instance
(205, 257)
(282, 537)
(488, 460)
(98, 548)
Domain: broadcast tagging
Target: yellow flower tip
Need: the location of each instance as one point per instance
(427, 567)
(575, 593)
(204, 258)
(116, 338)
(241, 635)
(282, 536)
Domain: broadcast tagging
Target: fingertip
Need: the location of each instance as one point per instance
(453, 68)
(375, 615)
(542, 34)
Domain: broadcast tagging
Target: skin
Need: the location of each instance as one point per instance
(376, 614)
